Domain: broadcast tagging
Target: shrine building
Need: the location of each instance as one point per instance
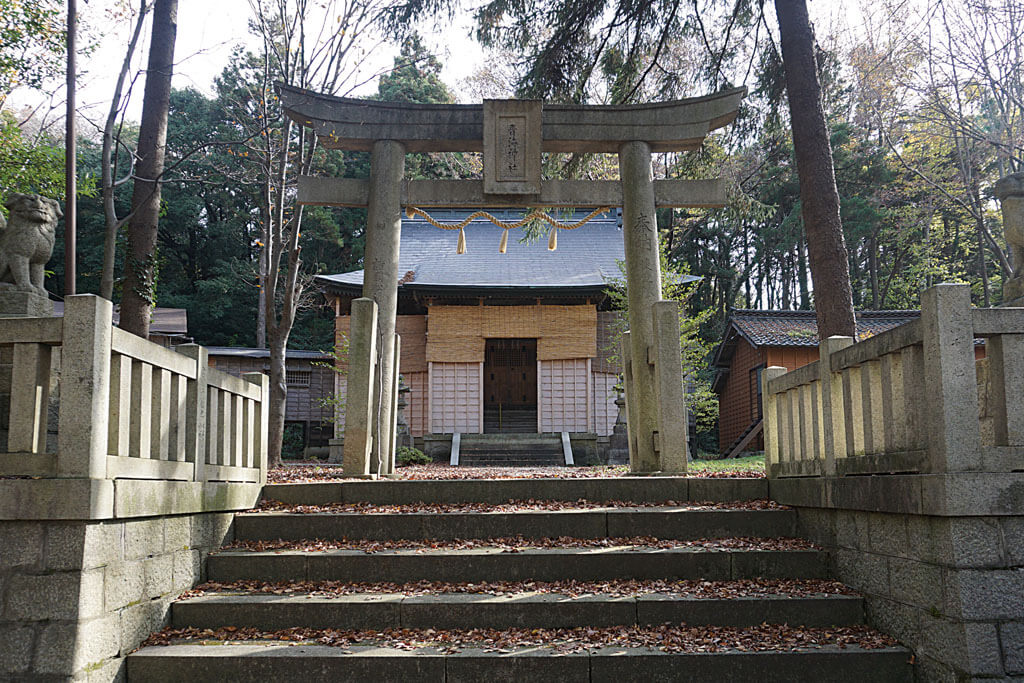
(522, 341)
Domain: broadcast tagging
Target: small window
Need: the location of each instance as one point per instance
(297, 378)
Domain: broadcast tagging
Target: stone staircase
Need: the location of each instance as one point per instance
(416, 617)
(511, 450)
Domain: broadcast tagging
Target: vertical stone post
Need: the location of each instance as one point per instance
(195, 409)
(833, 415)
(261, 428)
(1005, 355)
(673, 427)
(360, 412)
(626, 351)
(951, 418)
(380, 283)
(643, 288)
(387, 465)
(85, 387)
(1010, 192)
(772, 445)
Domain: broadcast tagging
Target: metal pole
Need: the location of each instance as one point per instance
(70, 154)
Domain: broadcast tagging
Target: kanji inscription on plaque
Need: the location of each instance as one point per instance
(512, 137)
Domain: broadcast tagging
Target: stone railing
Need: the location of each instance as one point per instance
(128, 411)
(912, 399)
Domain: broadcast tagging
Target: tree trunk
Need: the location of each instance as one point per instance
(830, 269)
(138, 295)
(278, 397)
(108, 182)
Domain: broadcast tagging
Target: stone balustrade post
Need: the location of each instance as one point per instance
(84, 387)
(360, 413)
(262, 426)
(833, 414)
(195, 409)
(772, 445)
(951, 392)
(673, 427)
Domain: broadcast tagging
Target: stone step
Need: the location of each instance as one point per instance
(245, 662)
(498, 564)
(524, 610)
(486, 461)
(670, 523)
(497, 491)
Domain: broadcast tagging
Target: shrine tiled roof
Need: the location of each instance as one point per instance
(586, 257)
(800, 328)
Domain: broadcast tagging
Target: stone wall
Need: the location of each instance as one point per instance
(77, 596)
(945, 577)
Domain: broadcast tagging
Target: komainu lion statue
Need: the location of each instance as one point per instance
(26, 241)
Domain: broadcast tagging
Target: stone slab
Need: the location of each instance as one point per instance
(274, 612)
(261, 662)
(269, 526)
(302, 662)
(692, 524)
(496, 491)
(827, 665)
(522, 610)
(56, 499)
(493, 564)
(780, 564)
(812, 612)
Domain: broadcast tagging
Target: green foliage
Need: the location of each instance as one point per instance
(292, 445)
(26, 167)
(32, 43)
(407, 455)
(338, 365)
(701, 401)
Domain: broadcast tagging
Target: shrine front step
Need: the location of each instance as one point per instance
(499, 564)
(379, 611)
(677, 490)
(677, 523)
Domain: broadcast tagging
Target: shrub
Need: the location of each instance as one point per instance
(411, 456)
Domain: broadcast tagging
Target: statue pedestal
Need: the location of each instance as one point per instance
(19, 304)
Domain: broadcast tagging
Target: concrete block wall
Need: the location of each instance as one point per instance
(950, 588)
(77, 596)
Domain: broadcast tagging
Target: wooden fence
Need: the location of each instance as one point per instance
(128, 408)
(912, 399)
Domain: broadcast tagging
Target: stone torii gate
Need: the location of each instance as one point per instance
(512, 134)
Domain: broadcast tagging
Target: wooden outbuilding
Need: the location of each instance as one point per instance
(754, 340)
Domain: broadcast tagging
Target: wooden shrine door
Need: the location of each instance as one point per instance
(510, 385)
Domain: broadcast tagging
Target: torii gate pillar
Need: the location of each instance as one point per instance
(380, 283)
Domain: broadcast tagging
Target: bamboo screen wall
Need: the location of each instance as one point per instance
(607, 321)
(564, 389)
(416, 411)
(457, 333)
(605, 410)
(455, 395)
(413, 331)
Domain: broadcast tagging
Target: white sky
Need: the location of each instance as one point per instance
(208, 30)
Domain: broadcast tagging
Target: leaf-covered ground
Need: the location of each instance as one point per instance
(511, 506)
(739, 588)
(748, 468)
(665, 638)
(518, 543)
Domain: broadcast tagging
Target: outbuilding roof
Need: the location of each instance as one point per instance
(586, 257)
(790, 328)
(800, 328)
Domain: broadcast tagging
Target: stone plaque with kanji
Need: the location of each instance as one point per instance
(512, 136)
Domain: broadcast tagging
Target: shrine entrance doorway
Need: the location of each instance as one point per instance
(510, 386)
